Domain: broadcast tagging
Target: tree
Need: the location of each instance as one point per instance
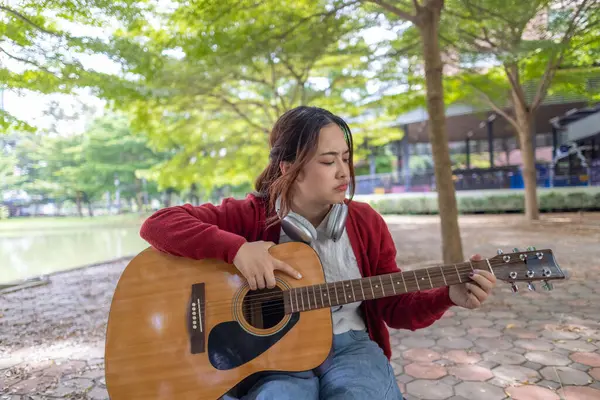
(524, 47)
(213, 88)
(40, 53)
(425, 16)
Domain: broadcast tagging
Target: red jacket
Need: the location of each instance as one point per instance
(210, 231)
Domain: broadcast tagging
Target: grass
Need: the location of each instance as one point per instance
(51, 223)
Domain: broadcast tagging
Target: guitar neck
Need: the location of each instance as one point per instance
(344, 292)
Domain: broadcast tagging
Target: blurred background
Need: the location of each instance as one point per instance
(112, 110)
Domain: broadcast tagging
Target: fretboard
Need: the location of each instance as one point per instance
(343, 292)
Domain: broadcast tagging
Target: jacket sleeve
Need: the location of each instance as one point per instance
(413, 310)
(200, 232)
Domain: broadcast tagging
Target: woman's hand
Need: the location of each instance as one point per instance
(472, 294)
(256, 265)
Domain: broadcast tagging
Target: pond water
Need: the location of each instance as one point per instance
(28, 253)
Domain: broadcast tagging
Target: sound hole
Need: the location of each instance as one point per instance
(263, 308)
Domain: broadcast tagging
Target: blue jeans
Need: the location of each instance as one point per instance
(358, 370)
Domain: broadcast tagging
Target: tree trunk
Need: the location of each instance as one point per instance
(78, 202)
(428, 23)
(524, 118)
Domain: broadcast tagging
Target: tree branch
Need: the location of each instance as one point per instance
(555, 60)
(395, 10)
(26, 61)
(512, 72)
(239, 112)
(27, 20)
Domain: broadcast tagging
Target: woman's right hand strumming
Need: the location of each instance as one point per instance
(257, 265)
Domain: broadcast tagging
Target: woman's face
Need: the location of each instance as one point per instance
(324, 179)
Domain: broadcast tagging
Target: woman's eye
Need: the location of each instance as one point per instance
(347, 160)
(327, 163)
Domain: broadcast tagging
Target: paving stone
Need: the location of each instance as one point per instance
(531, 392)
(575, 345)
(549, 384)
(579, 393)
(502, 314)
(494, 344)
(479, 391)
(504, 357)
(98, 393)
(398, 369)
(485, 332)
(422, 355)
(417, 342)
(534, 344)
(404, 378)
(595, 373)
(559, 335)
(429, 390)
(467, 372)
(455, 343)
(476, 322)
(532, 365)
(566, 375)
(450, 380)
(9, 362)
(425, 370)
(488, 364)
(516, 374)
(547, 358)
(521, 333)
(451, 331)
(581, 367)
(591, 359)
(462, 357)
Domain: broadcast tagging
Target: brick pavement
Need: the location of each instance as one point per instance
(525, 346)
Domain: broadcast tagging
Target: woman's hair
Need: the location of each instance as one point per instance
(294, 138)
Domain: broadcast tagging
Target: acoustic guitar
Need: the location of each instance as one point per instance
(192, 329)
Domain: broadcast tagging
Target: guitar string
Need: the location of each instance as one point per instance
(462, 267)
(310, 298)
(355, 284)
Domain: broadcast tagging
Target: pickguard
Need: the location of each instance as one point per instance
(230, 346)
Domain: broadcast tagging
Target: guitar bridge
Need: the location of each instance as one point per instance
(195, 319)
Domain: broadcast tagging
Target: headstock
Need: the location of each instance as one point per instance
(527, 266)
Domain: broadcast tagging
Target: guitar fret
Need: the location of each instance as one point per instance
(302, 299)
(490, 266)
(315, 296)
(337, 300)
(471, 265)
(291, 302)
(393, 287)
(344, 289)
(296, 295)
(352, 287)
(443, 276)
(403, 281)
(382, 289)
(328, 294)
(416, 279)
(457, 273)
(321, 292)
(308, 297)
(371, 283)
(429, 276)
(362, 290)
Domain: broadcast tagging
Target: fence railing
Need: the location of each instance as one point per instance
(510, 177)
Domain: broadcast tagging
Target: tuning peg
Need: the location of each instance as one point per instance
(515, 250)
(531, 248)
(514, 287)
(547, 285)
(531, 287)
(499, 251)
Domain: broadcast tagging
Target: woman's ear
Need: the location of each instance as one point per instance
(284, 167)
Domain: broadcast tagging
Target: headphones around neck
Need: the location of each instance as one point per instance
(300, 229)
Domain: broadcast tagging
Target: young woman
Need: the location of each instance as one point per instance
(301, 195)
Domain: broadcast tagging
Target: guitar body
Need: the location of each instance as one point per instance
(186, 329)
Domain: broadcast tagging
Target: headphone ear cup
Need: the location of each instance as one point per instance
(337, 221)
(298, 228)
